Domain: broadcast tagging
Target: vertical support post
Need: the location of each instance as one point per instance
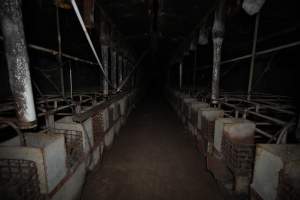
(217, 35)
(71, 82)
(132, 77)
(17, 62)
(114, 68)
(194, 69)
(120, 68)
(61, 70)
(180, 75)
(123, 68)
(253, 55)
(104, 52)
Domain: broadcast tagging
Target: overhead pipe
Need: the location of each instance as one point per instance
(18, 62)
(54, 52)
(217, 36)
(259, 53)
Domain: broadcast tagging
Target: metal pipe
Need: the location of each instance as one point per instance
(104, 52)
(18, 62)
(113, 67)
(71, 82)
(132, 72)
(54, 52)
(89, 40)
(61, 70)
(120, 65)
(194, 68)
(180, 75)
(259, 53)
(253, 55)
(217, 35)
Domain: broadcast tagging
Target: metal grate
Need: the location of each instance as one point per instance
(239, 157)
(74, 145)
(98, 127)
(285, 189)
(19, 180)
(208, 128)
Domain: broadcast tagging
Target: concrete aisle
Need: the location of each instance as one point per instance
(153, 158)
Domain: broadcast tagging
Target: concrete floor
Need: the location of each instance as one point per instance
(152, 158)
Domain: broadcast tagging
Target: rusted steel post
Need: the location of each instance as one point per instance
(104, 52)
(120, 69)
(18, 62)
(217, 35)
(105, 43)
(61, 70)
(113, 67)
(253, 56)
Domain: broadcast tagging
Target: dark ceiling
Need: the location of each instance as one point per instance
(176, 19)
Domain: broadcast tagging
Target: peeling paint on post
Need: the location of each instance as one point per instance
(104, 52)
(18, 62)
(217, 35)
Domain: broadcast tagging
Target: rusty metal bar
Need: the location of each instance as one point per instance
(194, 67)
(253, 55)
(120, 66)
(61, 70)
(54, 52)
(80, 117)
(71, 82)
(104, 52)
(180, 75)
(113, 67)
(259, 53)
(132, 71)
(18, 62)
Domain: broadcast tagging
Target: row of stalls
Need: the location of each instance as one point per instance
(244, 142)
(52, 163)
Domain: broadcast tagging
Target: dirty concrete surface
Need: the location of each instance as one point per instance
(152, 158)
